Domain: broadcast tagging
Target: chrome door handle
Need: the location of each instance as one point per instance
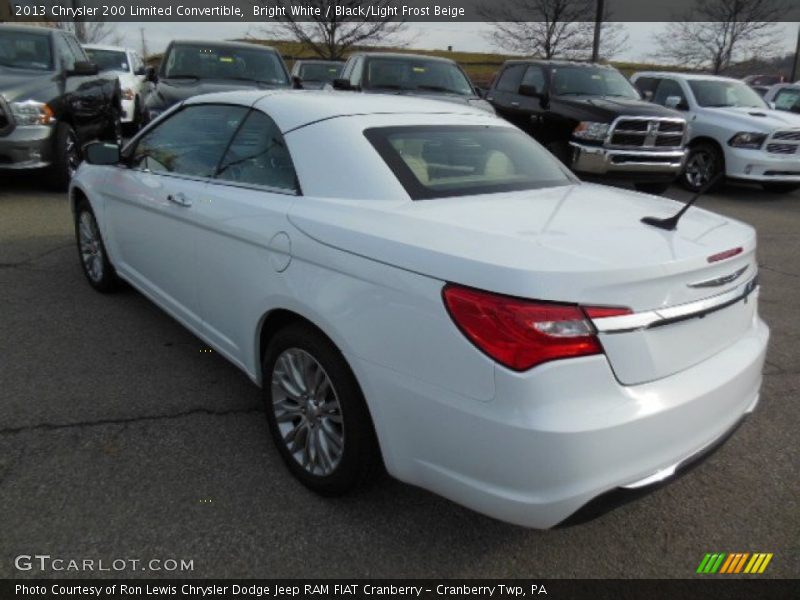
(179, 199)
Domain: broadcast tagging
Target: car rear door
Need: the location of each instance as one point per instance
(153, 204)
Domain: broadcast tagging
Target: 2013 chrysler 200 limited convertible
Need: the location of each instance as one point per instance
(419, 284)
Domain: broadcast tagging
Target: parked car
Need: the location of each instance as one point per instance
(734, 132)
(763, 80)
(52, 101)
(423, 285)
(784, 96)
(592, 119)
(314, 74)
(129, 67)
(190, 68)
(409, 74)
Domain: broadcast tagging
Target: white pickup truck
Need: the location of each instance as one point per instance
(732, 130)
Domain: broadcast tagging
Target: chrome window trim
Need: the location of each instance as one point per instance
(664, 316)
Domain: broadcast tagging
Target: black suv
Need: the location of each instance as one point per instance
(52, 101)
(593, 119)
(190, 68)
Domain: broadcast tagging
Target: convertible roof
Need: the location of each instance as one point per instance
(292, 109)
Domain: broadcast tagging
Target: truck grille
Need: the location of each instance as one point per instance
(790, 142)
(631, 132)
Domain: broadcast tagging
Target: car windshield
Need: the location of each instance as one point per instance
(788, 99)
(109, 60)
(717, 93)
(591, 81)
(460, 160)
(416, 74)
(25, 50)
(212, 62)
(323, 72)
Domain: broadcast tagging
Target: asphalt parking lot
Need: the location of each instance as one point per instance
(120, 438)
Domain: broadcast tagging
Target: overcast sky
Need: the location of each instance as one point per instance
(429, 36)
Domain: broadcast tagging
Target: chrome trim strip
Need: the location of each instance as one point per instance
(718, 281)
(664, 316)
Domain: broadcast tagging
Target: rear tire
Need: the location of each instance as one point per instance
(780, 188)
(66, 157)
(650, 187)
(704, 163)
(92, 251)
(316, 412)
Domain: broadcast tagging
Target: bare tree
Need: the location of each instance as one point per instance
(330, 36)
(89, 32)
(716, 32)
(550, 28)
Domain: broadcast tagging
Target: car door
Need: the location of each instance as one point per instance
(88, 96)
(152, 203)
(243, 244)
(538, 121)
(505, 94)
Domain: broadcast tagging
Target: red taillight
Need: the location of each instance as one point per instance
(602, 312)
(727, 254)
(520, 334)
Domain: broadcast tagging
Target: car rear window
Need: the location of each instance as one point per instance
(446, 161)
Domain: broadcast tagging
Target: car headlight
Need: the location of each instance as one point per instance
(31, 112)
(127, 94)
(747, 139)
(591, 130)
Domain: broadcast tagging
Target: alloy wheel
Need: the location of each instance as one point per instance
(700, 168)
(307, 412)
(91, 246)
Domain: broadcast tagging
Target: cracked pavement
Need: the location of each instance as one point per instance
(119, 438)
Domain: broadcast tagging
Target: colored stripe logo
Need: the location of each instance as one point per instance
(734, 562)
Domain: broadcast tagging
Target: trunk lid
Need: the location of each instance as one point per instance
(580, 243)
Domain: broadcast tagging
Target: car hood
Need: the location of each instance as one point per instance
(607, 108)
(24, 85)
(171, 91)
(758, 119)
(576, 243)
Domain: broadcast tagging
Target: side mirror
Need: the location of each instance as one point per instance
(101, 153)
(83, 68)
(675, 102)
(647, 95)
(529, 90)
(297, 83)
(150, 74)
(342, 84)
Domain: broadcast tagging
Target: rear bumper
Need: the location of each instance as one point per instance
(26, 148)
(597, 160)
(760, 166)
(562, 434)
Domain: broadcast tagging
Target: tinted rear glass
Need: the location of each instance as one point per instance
(446, 161)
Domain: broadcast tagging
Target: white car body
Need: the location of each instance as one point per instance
(131, 79)
(776, 161)
(366, 264)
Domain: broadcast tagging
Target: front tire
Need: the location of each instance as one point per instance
(650, 187)
(780, 188)
(66, 157)
(316, 412)
(704, 163)
(92, 251)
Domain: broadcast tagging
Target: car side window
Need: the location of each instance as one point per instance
(667, 88)
(190, 142)
(510, 78)
(65, 56)
(534, 76)
(258, 156)
(358, 72)
(647, 84)
(788, 99)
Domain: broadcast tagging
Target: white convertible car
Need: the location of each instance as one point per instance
(421, 286)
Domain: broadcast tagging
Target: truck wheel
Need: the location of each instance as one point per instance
(780, 188)
(66, 157)
(650, 187)
(704, 163)
(316, 412)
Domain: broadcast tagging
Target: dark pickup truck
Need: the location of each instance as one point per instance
(52, 101)
(594, 120)
(192, 67)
